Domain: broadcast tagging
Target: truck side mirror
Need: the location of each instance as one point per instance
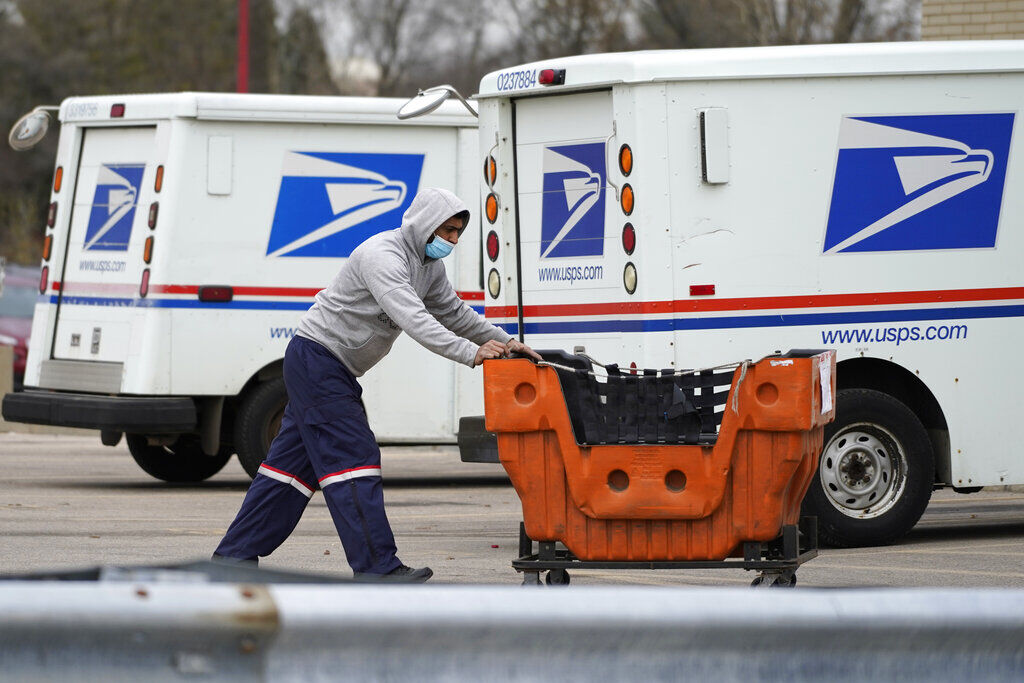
(30, 129)
(430, 99)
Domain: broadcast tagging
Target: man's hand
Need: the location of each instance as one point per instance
(489, 349)
(516, 346)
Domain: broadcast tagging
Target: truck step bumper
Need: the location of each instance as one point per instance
(131, 414)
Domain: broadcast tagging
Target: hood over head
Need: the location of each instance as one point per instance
(429, 209)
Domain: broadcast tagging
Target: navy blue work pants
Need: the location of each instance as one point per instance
(325, 442)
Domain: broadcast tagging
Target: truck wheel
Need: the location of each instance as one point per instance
(257, 422)
(182, 461)
(876, 471)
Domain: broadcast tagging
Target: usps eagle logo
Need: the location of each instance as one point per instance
(572, 210)
(918, 182)
(330, 202)
(113, 207)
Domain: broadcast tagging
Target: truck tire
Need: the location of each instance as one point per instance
(257, 422)
(876, 471)
(182, 461)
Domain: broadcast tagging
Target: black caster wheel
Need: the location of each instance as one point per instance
(557, 577)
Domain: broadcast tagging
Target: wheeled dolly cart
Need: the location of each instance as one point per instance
(776, 562)
(652, 469)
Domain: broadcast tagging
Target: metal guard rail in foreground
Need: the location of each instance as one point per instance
(660, 501)
(187, 630)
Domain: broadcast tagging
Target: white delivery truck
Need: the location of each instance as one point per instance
(186, 236)
(685, 208)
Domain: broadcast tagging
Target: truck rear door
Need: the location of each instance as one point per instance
(564, 201)
(99, 292)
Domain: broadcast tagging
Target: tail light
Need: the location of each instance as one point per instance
(702, 290)
(493, 283)
(216, 293)
(627, 199)
(629, 278)
(551, 77)
(625, 160)
(628, 238)
(116, 111)
(491, 206)
(144, 285)
(492, 245)
(44, 277)
(490, 171)
(154, 209)
(51, 215)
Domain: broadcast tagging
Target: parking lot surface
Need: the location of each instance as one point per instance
(68, 502)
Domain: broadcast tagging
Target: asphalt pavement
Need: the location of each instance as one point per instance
(68, 502)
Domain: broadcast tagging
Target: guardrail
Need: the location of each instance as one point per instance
(171, 630)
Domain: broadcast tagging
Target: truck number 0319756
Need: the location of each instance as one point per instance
(514, 80)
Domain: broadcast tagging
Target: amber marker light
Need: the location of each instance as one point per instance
(625, 160)
(147, 251)
(491, 207)
(490, 171)
(158, 184)
(627, 199)
(47, 246)
(58, 179)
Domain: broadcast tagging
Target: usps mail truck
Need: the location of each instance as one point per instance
(686, 208)
(186, 236)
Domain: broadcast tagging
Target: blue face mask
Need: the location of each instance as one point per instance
(439, 248)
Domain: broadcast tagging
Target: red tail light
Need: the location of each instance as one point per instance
(144, 285)
(702, 290)
(116, 111)
(216, 293)
(44, 277)
(551, 77)
(51, 215)
(628, 238)
(154, 209)
(492, 245)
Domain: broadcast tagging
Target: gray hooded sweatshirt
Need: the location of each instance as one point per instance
(389, 285)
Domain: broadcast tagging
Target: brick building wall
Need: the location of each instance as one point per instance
(972, 19)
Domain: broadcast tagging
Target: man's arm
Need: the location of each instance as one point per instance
(455, 314)
(389, 283)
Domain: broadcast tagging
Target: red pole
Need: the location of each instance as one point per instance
(243, 46)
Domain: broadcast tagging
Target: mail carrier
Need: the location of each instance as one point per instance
(685, 208)
(186, 236)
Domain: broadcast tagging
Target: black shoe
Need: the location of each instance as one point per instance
(402, 574)
(224, 559)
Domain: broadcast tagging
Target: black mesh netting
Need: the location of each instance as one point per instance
(651, 406)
